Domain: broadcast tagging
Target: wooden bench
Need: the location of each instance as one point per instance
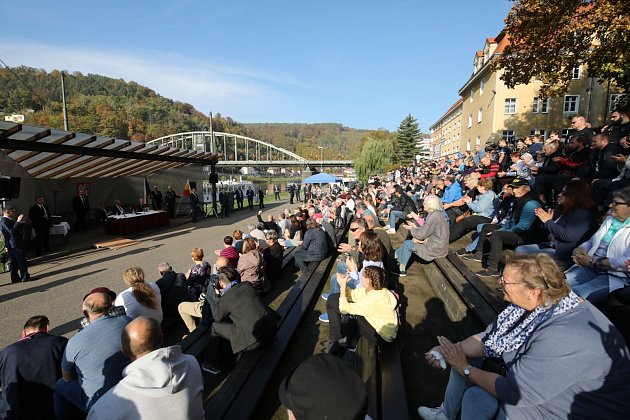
(466, 298)
(239, 395)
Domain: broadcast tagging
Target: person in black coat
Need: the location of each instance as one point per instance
(314, 246)
(81, 207)
(40, 217)
(173, 290)
(261, 197)
(223, 200)
(29, 370)
(273, 255)
(250, 198)
(170, 197)
(241, 320)
(156, 198)
(194, 204)
(13, 233)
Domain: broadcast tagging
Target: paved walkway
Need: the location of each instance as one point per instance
(62, 279)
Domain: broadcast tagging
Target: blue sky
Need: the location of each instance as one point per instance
(364, 64)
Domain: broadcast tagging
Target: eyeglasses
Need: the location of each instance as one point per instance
(573, 122)
(353, 229)
(619, 203)
(502, 282)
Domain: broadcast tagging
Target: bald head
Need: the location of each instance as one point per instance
(96, 305)
(222, 262)
(141, 336)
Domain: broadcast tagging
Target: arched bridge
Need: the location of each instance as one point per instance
(239, 150)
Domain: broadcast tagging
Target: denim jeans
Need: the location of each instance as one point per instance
(70, 400)
(473, 401)
(592, 284)
(342, 267)
(394, 215)
(534, 249)
(473, 245)
(404, 253)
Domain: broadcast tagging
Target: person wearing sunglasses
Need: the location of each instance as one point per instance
(553, 355)
(600, 262)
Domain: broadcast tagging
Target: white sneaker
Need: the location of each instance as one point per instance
(428, 413)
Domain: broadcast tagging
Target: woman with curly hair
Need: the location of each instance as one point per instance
(140, 299)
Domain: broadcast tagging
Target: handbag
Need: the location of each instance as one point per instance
(464, 215)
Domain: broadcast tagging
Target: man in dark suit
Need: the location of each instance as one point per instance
(223, 200)
(261, 198)
(238, 195)
(29, 369)
(40, 217)
(194, 204)
(81, 207)
(250, 197)
(241, 319)
(156, 198)
(117, 208)
(170, 197)
(291, 193)
(173, 290)
(13, 233)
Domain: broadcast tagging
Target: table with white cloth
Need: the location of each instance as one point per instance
(58, 229)
(128, 224)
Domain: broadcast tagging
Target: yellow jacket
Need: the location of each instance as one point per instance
(378, 307)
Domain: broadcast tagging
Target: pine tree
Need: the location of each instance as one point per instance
(407, 135)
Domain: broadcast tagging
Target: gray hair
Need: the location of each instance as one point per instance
(624, 194)
(271, 234)
(433, 203)
(163, 267)
(251, 227)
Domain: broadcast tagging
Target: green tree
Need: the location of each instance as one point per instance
(407, 135)
(548, 38)
(377, 154)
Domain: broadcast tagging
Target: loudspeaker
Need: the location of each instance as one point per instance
(213, 178)
(10, 187)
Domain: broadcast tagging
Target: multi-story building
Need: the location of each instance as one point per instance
(446, 132)
(424, 146)
(490, 110)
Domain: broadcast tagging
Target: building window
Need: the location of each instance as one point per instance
(614, 98)
(479, 115)
(542, 132)
(507, 135)
(576, 72)
(478, 140)
(470, 121)
(565, 133)
(481, 87)
(571, 104)
(467, 144)
(540, 106)
(510, 106)
(472, 95)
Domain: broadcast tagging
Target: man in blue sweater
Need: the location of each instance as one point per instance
(522, 227)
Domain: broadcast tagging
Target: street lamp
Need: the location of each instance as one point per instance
(321, 158)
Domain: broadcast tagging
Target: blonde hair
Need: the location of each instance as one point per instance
(134, 278)
(540, 271)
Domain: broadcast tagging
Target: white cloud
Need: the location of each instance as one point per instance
(238, 92)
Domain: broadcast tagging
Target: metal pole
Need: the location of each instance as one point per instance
(211, 136)
(321, 158)
(65, 107)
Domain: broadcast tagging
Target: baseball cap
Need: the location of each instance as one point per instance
(104, 290)
(313, 389)
(519, 182)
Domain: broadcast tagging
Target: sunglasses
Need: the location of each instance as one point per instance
(353, 229)
(619, 203)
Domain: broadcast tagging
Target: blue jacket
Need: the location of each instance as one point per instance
(452, 193)
(12, 232)
(568, 232)
(483, 204)
(315, 243)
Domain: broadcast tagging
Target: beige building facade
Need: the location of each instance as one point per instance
(491, 111)
(446, 132)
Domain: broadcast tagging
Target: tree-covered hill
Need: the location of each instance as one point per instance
(126, 110)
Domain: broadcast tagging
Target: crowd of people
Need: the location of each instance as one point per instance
(550, 220)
